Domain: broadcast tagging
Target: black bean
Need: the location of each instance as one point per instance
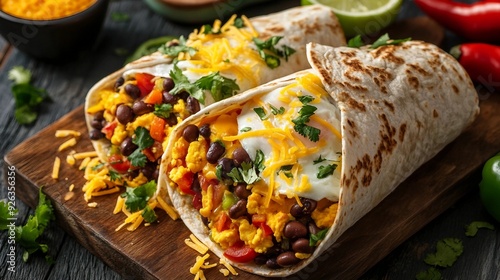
(149, 169)
(168, 84)
(156, 174)
(127, 147)
(141, 108)
(260, 260)
(241, 191)
(301, 245)
(96, 134)
(226, 165)
(190, 133)
(240, 156)
(193, 105)
(294, 229)
(124, 114)
(183, 95)
(287, 259)
(169, 98)
(99, 116)
(97, 124)
(195, 186)
(313, 228)
(308, 206)
(239, 209)
(272, 263)
(205, 131)
(119, 82)
(215, 151)
(132, 90)
(172, 119)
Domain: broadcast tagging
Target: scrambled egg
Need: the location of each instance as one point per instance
(325, 217)
(195, 158)
(225, 238)
(207, 202)
(254, 237)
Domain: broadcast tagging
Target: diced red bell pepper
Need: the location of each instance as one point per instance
(223, 223)
(185, 183)
(197, 204)
(144, 83)
(109, 129)
(259, 220)
(157, 130)
(119, 163)
(240, 254)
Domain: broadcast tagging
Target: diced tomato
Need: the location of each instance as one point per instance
(259, 221)
(149, 154)
(240, 254)
(145, 83)
(223, 223)
(197, 204)
(185, 183)
(109, 129)
(119, 163)
(154, 97)
(157, 130)
(218, 194)
(204, 182)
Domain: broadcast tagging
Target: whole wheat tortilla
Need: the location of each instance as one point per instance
(399, 106)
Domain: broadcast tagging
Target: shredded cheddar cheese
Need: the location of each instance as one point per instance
(83, 155)
(66, 132)
(197, 265)
(228, 266)
(56, 167)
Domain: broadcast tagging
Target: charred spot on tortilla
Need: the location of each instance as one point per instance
(351, 102)
(389, 105)
(413, 81)
(402, 132)
(419, 69)
(435, 114)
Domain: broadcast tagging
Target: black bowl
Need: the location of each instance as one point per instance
(58, 38)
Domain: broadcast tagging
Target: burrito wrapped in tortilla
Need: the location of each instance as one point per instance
(269, 179)
(131, 112)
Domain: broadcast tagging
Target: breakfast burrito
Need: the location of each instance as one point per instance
(130, 113)
(269, 179)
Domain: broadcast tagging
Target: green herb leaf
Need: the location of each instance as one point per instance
(220, 87)
(27, 235)
(319, 160)
(98, 166)
(183, 84)
(326, 170)
(285, 169)
(163, 110)
(148, 47)
(447, 252)
(430, 274)
(315, 238)
(356, 42)
(27, 99)
(306, 99)
(174, 49)
(276, 111)
(137, 198)
(268, 51)
(208, 29)
(114, 176)
(260, 112)
(259, 161)
(7, 212)
(239, 23)
(245, 129)
(244, 174)
(142, 138)
(301, 121)
(149, 214)
(384, 40)
(19, 75)
(137, 158)
(472, 228)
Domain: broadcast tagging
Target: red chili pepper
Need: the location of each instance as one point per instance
(479, 21)
(481, 61)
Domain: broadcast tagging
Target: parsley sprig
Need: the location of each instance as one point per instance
(136, 199)
(300, 122)
(143, 140)
(270, 53)
(248, 172)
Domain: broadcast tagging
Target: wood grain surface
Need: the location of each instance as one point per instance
(158, 251)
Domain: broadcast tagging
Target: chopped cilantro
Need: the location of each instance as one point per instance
(384, 40)
(27, 97)
(183, 84)
(268, 51)
(285, 169)
(447, 252)
(239, 23)
(98, 166)
(301, 121)
(315, 238)
(259, 161)
(472, 228)
(306, 99)
(148, 47)
(149, 214)
(143, 140)
(114, 176)
(137, 198)
(319, 160)
(208, 29)
(356, 42)
(220, 87)
(430, 274)
(248, 172)
(277, 111)
(7, 211)
(163, 110)
(174, 49)
(245, 129)
(326, 170)
(260, 112)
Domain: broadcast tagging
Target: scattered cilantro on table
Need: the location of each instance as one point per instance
(136, 199)
(27, 97)
(447, 252)
(430, 274)
(26, 236)
(472, 228)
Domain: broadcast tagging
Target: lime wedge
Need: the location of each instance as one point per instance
(360, 17)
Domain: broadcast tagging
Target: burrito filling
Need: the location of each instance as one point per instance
(265, 176)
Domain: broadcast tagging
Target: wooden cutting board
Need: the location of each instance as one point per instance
(158, 251)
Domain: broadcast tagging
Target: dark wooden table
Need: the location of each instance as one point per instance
(68, 83)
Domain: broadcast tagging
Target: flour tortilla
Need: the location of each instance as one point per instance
(298, 26)
(399, 106)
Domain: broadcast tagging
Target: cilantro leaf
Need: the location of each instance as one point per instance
(300, 123)
(183, 84)
(163, 110)
(27, 99)
(114, 176)
(137, 158)
(260, 112)
(248, 172)
(6, 212)
(326, 170)
(384, 40)
(27, 235)
(316, 238)
(319, 160)
(259, 161)
(19, 75)
(137, 198)
(220, 87)
(285, 169)
(176, 47)
(430, 274)
(149, 214)
(356, 42)
(142, 138)
(277, 111)
(472, 228)
(306, 99)
(208, 29)
(447, 252)
(269, 53)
